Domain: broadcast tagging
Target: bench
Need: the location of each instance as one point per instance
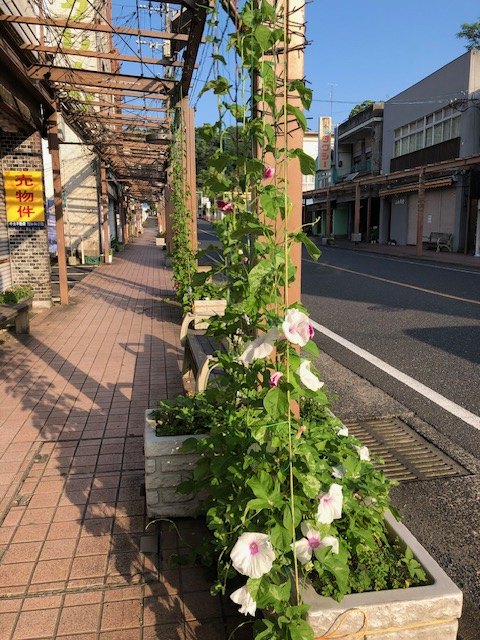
(18, 312)
(198, 358)
(438, 241)
(199, 361)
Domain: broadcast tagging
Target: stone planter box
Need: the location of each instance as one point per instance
(165, 468)
(160, 242)
(419, 613)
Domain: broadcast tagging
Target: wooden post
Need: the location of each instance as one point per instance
(290, 62)
(369, 213)
(356, 223)
(54, 149)
(123, 219)
(420, 210)
(104, 208)
(328, 221)
(189, 164)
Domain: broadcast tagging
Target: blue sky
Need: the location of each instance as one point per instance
(370, 50)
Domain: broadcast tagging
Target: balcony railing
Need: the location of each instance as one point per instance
(343, 174)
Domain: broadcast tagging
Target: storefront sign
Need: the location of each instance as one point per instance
(24, 198)
(325, 144)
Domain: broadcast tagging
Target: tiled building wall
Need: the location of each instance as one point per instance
(29, 257)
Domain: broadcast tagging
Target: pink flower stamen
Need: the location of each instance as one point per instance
(313, 543)
(253, 548)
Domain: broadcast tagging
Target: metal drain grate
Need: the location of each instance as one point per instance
(406, 455)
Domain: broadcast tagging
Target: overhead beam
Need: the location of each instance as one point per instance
(93, 26)
(117, 105)
(102, 55)
(149, 95)
(70, 75)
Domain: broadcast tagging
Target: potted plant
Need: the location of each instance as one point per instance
(167, 426)
(160, 240)
(17, 293)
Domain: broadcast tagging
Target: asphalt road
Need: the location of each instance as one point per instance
(419, 318)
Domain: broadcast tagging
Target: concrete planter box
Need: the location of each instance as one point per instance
(418, 613)
(160, 242)
(165, 468)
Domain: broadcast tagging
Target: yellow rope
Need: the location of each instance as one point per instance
(362, 632)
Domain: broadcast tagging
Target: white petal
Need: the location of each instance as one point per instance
(253, 565)
(242, 597)
(296, 327)
(308, 379)
(261, 347)
(338, 472)
(342, 431)
(330, 505)
(303, 551)
(330, 541)
(363, 452)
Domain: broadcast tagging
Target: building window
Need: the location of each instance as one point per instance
(437, 127)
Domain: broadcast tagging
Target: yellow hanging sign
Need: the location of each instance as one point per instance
(24, 198)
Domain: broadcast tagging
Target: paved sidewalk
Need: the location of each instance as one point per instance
(72, 517)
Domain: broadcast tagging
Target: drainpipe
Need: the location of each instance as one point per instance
(477, 238)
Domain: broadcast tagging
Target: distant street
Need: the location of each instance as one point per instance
(420, 318)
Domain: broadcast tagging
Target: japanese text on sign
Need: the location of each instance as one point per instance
(24, 198)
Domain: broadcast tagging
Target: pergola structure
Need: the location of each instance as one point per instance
(92, 72)
(74, 60)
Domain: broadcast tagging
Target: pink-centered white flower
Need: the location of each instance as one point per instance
(242, 597)
(269, 173)
(261, 347)
(307, 377)
(297, 328)
(312, 543)
(330, 504)
(253, 554)
(222, 205)
(363, 452)
(275, 378)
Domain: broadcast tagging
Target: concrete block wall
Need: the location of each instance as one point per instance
(165, 468)
(28, 247)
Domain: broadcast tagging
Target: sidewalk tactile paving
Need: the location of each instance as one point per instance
(73, 395)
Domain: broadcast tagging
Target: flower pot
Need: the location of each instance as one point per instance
(165, 468)
(430, 612)
(203, 309)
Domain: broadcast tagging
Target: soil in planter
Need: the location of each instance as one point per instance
(386, 566)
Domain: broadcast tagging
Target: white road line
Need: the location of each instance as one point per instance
(453, 408)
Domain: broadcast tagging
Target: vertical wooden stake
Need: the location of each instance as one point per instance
(58, 202)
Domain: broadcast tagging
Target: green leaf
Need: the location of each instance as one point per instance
(220, 59)
(313, 251)
(311, 347)
(307, 163)
(311, 486)
(263, 36)
(299, 115)
(276, 403)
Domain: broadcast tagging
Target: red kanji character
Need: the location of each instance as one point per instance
(24, 196)
(25, 211)
(24, 179)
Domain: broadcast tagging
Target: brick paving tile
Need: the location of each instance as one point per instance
(36, 624)
(42, 602)
(79, 619)
(7, 623)
(54, 549)
(88, 567)
(15, 575)
(165, 632)
(123, 614)
(51, 570)
(78, 598)
(23, 552)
